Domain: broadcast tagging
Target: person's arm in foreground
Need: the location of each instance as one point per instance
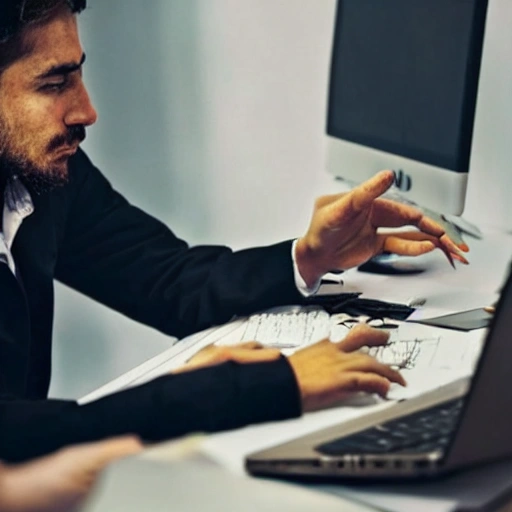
(209, 399)
(59, 482)
(326, 372)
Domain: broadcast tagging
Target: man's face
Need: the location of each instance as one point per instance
(44, 106)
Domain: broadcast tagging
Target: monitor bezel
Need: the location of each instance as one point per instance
(416, 182)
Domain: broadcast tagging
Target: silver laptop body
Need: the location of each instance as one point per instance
(481, 430)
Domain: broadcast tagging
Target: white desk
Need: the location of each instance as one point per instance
(446, 291)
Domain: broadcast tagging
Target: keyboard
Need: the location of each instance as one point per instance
(291, 328)
(421, 432)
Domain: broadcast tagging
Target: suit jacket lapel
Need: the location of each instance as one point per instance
(14, 334)
(35, 252)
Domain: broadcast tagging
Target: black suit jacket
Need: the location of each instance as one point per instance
(89, 237)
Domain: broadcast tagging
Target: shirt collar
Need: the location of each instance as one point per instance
(17, 206)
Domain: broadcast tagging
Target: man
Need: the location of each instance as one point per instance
(63, 220)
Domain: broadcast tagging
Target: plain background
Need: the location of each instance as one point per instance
(212, 118)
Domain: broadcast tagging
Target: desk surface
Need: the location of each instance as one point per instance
(445, 289)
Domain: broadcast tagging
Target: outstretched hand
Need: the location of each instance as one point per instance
(345, 231)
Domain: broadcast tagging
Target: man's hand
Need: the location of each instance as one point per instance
(60, 482)
(326, 372)
(344, 231)
(329, 372)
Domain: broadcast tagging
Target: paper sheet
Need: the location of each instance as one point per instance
(437, 356)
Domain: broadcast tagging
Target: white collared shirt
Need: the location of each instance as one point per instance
(17, 206)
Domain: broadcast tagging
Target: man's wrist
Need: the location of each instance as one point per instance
(306, 265)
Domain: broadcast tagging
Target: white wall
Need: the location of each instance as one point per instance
(489, 198)
(211, 117)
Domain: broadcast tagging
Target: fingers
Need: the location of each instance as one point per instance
(363, 195)
(248, 345)
(450, 250)
(446, 244)
(103, 452)
(416, 245)
(254, 356)
(325, 374)
(246, 352)
(391, 214)
(404, 247)
(429, 226)
(361, 336)
(359, 382)
(367, 364)
(420, 235)
(454, 249)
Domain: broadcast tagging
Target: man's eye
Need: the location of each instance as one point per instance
(53, 86)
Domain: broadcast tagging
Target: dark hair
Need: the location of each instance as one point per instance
(17, 14)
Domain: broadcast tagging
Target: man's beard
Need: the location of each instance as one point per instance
(37, 178)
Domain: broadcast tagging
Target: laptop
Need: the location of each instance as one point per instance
(464, 424)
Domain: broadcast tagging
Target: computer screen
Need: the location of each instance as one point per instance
(402, 95)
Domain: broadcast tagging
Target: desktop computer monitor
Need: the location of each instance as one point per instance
(402, 95)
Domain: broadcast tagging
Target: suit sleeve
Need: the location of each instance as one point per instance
(126, 259)
(212, 399)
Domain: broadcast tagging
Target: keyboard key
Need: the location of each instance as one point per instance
(421, 432)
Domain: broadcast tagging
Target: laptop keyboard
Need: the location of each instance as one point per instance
(424, 431)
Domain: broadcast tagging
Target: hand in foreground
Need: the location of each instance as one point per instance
(326, 372)
(59, 482)
(329, 372)
(343, 231)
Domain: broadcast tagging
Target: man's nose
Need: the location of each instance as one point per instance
(81, 111)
